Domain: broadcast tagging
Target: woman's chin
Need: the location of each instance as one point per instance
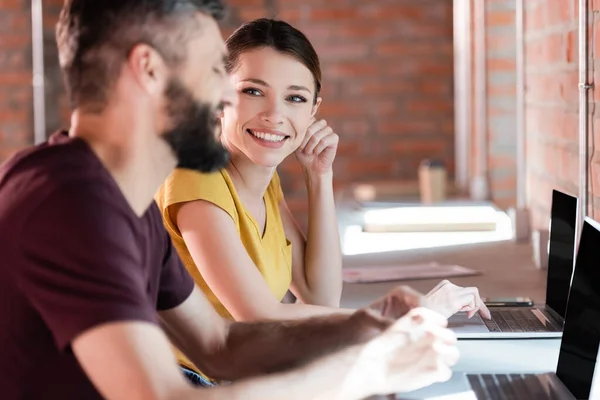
(267, 161)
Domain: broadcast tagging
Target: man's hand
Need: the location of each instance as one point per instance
(398, 302)
(448, 299)
(416, 351)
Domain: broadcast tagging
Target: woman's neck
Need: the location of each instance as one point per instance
(248, 177)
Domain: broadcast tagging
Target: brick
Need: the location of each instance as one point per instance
(354, 127)
(407, 48)
(535, 17)
(249, 14)
(560, 11)
(501, 64)
(502, 161)
(335, 14)
(500, 18)
(352, 69)
(572, 43)
(502, 90)
(15, 78)
(344, 51)
(349, 149)
(361, 32)
(14, 60)
(281, 4)
(15, 22)
(407, 126)
(12, 5)
(375, 88)
(14, 41)
(370, 166)
(427, 148)
(246, 3)
(339, 108)
(429, 106)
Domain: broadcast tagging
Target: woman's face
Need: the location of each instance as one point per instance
(274, 109)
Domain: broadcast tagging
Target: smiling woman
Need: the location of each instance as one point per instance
(232, 228)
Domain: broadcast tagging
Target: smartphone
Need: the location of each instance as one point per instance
(508, 301)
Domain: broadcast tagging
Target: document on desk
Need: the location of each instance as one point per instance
(431, 270)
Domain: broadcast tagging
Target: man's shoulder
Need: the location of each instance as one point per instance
(62, 179)
(51, 164)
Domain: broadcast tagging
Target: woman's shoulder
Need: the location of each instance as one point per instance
(185, 185)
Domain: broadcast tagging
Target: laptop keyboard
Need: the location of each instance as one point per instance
(515, 321)
(509, 387)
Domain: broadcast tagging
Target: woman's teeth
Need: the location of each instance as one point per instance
(267, 136)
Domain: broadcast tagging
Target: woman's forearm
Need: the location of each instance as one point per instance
(323, 254)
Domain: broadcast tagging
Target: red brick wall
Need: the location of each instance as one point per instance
(499, 104)
(16, 109)
(388, 81)
(501, 97)
(551, 80)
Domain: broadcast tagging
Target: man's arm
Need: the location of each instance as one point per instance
(133, 360)
(231, 351)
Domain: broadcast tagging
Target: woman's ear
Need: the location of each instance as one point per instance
(316, 106)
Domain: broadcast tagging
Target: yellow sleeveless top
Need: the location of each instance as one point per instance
(271, 252)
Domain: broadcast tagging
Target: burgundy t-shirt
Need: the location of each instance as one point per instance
(73, 255)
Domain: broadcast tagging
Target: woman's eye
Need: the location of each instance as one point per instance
(251, 91)
(297, 99)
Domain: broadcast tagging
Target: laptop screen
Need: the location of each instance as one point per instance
(581, 333)
(561, 250)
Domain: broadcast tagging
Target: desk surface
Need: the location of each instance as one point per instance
(507, 270)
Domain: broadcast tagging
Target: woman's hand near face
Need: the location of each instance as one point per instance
(318, 149)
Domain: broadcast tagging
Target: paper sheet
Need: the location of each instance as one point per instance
(432, 270)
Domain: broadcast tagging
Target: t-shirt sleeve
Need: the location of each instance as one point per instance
(184, 185)
(176, 284)
(83, 265)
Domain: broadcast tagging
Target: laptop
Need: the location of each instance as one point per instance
(539, 321)
(578, 357)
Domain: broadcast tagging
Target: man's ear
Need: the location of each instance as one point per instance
(316, 106)
(148, 68)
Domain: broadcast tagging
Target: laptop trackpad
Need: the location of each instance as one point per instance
(456, 388)
(459, 323)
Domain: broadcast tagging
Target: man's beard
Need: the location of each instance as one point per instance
(192, 136)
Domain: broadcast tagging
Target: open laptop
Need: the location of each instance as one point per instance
(577, 360)
(539, 321)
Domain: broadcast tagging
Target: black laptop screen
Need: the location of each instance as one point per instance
(581, 333)
(562, 248)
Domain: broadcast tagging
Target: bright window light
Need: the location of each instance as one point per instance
(431, 218)
(410, 228)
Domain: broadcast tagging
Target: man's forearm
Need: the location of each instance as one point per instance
(265, 347)
(323, 379)
(323, 254)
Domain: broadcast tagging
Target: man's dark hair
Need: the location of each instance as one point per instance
(95, 37)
